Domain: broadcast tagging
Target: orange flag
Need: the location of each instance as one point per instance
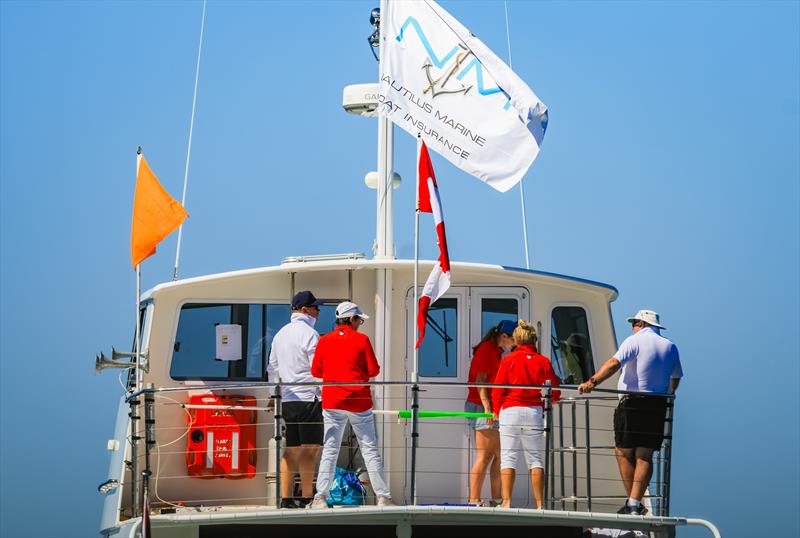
(156, 214)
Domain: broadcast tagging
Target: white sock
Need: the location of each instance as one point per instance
(633, 503)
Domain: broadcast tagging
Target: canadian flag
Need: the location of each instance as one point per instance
(439, 280)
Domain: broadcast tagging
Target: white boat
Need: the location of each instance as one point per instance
(164, 463)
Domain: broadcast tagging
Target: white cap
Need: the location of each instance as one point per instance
(347, 310)
(648, 316)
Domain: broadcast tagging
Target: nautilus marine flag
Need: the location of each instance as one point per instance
(439, 280)
(439, 80)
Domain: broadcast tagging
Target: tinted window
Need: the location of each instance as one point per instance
(438, 354)
(194, 353)
(493, 311)
(571, 349)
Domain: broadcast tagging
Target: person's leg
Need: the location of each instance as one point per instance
(627, 464)
(289, 461)
(364, 429)
(642, 473)
(335, 422)
(307, 462)
(625, 456)
(507, 476)
(483, 457)
(537, 483)
(532, 440)
(494, 467)
(510, 447)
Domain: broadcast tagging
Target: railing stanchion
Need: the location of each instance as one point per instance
(414, 438)
(278, 437)
(668, 452)
(548, 467)
(133, 415)
(588, 457)
(149, 440)
(561, 452)
(574, 455)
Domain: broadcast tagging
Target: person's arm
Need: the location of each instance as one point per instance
(311, 347)
(550, 374)
(485, 394)
(608, 369)
(497, 394)
(317, 358)
(674, 382)
(373, 368)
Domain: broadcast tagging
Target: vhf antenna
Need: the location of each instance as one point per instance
(374, 38)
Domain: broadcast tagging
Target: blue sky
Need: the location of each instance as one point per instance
(670, 169)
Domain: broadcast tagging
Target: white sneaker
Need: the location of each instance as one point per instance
(385, 501)
(319, 503)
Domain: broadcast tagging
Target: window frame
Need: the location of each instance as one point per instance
(199, 381)
(589, 322)
(461, 294)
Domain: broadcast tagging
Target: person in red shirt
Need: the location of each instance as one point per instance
(520, 411)
(485, 362)
(344, 355)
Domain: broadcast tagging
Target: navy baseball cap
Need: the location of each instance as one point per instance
(304, 298)
(507, 326)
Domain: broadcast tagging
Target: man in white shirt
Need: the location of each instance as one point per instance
(290, 361)
(650, 363)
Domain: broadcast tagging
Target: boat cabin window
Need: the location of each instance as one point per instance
(438, 353)
(194, 355)
(571, 348)
(495, 310)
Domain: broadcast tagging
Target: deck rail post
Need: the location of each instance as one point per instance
(276, 396)
(133, 416)
(414, 440)
(573, 410)
(561, 453)
(588, 456)
(667, 452)
(547, 408)
(149, 441)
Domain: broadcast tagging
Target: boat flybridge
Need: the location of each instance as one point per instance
(196, 447)
(198, 489)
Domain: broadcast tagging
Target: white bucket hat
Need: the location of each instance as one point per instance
(347, 310)
(648, 316)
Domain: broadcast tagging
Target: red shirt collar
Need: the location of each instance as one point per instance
(524, 348)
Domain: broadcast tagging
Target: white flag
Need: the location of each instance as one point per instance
(440, 81)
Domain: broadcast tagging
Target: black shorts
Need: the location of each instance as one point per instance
(639, 422)
(302, 423)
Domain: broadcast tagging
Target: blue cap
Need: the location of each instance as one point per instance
(507, 326)
(304, 298)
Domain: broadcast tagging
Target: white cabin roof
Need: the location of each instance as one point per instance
(354, 263)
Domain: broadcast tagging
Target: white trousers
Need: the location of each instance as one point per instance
(364, 427)
(521, 430)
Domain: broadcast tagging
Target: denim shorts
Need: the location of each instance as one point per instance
(477, 424)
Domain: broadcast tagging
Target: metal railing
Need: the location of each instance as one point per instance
(558, 461)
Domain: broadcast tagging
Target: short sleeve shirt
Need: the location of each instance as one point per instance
(485, 361)
(648, 362)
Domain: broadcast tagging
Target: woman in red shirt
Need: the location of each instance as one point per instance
(345, 355)
(520, 411)
(485, 362)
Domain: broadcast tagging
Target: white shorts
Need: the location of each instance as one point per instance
(521, 430)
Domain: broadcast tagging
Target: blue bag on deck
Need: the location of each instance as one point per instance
(346, 489)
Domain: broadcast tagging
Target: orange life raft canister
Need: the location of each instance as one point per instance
(222, 442)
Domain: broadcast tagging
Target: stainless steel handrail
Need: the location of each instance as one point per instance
(550, 498)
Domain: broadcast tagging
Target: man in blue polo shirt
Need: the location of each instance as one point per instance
(650, 363)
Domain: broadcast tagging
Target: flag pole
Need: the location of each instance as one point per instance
(416, 260)
(137, 377)
(415, 373)
(189, 148)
